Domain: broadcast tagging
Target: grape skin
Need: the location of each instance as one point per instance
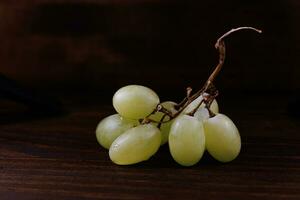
(165, 127)
(202, 114)
(223, 140)
(135, 145)
(187, 140)
(135, 101)
(112, 127)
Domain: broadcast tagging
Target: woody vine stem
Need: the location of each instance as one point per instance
(207, 88)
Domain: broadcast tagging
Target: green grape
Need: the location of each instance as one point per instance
(202, 114)
(213, 107)
(187, 140)
(112, 127)
(135, 145)
(223, 140)
(135, 101)
(165, 127)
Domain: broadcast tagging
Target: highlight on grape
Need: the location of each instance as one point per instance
(142, 124)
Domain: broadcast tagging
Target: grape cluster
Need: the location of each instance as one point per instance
(131, 140)
(142, 124)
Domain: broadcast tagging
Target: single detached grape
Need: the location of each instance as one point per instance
(135, 101)
(187, 140)
(165, 127)
(213, 107)
(112, 127)
(223, 140)
(135, 145)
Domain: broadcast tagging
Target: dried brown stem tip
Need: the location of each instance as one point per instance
(235, 30)
(220, 45)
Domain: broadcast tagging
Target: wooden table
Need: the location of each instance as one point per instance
(59, 158)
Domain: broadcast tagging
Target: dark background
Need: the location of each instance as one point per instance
(99, 46)
(81, 51)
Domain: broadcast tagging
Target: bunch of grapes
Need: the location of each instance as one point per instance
(142, 124)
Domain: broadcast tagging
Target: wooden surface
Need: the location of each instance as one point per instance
(59, 158)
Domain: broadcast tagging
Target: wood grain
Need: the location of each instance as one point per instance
(59, 158)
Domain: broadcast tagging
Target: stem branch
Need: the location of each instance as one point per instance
(220, 46)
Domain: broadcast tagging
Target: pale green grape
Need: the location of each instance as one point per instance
(202, 114)
(187, 140)
(213, 107)
(135, 145)
(112, 127)
(223, 140)
(165, 127)
(135, 101)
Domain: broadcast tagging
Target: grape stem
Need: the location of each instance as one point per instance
(188, 94)
(220, 46)
(209, 101)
